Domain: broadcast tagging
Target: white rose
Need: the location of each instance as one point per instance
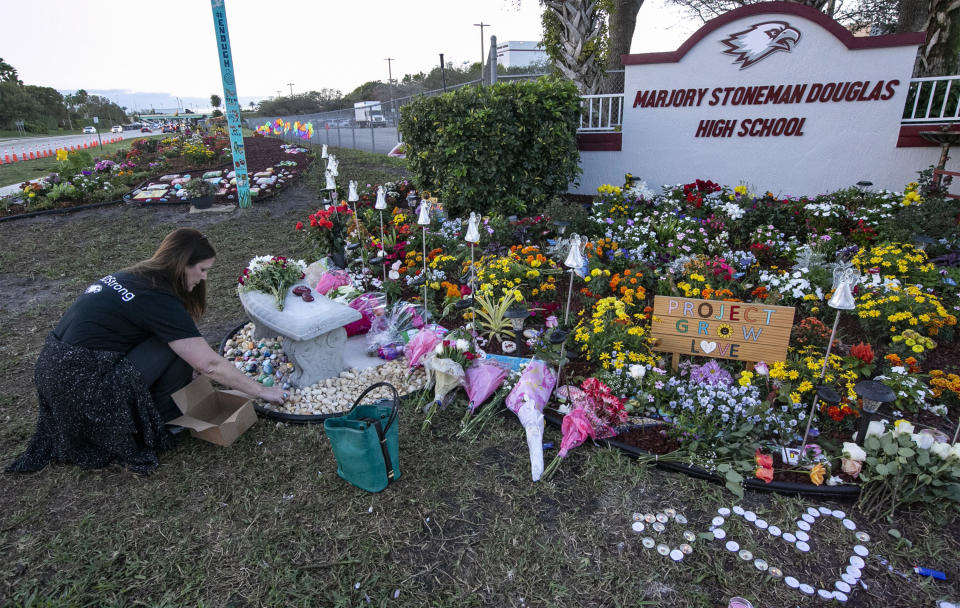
(462, 345)
(853, 451)
(438, 349)
(902, 427)
(924, 441)
(955, 451)
(637, 371)
(876, 427)
(942, 450)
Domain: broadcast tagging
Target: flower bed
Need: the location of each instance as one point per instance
(83, 179)
(497, 281)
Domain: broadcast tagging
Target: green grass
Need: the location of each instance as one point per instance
(267, 522)
(15, 173)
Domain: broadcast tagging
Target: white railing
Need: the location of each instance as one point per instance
(933, 99)
(599, 113)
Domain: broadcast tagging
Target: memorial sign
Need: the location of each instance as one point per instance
(745, 331)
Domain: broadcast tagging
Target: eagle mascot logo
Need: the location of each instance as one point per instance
(759, 41)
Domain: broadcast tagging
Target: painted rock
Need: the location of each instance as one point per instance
(268, 381)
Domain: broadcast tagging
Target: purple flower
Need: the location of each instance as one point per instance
(609, 220)
(86, 172)
(711, 373)
(629, 222)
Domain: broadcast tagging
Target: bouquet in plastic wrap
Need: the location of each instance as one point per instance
(595, 413)
(485, 409)
(446, 370)
(483, 379)
(421, 345)
(527, 400)
(386, 335)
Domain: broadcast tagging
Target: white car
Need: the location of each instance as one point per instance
(89, 131)
(116, 129)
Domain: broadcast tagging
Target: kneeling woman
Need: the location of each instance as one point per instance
(106, 374)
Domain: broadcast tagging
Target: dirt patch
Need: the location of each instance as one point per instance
(24, 292)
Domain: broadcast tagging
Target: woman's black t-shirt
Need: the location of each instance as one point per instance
(122, 310)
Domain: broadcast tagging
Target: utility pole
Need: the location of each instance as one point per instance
(389, 61)
(481, 25)
(443, 74)
(290, 84)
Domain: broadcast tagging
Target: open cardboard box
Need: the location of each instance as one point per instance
(215, 416)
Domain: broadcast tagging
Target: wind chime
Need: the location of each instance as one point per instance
(845, 276)
(423, 219)
(575, 263)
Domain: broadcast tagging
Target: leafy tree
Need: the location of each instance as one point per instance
(215, 101)
(8, 73)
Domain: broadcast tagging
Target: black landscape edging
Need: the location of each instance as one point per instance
(843, 492)
(60, 211)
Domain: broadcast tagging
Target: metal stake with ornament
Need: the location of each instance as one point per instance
(353, 197)
(423, 219)
(473, 237)
(845, 277)
(380, 205)
(575, 262)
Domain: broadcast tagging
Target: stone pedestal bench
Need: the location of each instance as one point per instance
(312, 333)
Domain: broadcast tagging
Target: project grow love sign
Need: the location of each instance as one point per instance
(722, 330)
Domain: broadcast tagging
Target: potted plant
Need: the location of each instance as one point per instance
(201, 193)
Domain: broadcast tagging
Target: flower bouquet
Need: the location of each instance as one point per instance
(445, 369)
(595, 414)
(328, 230)
(274, 275)
(483, 379)
(527, 400)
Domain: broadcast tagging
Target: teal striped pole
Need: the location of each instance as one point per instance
(225, 58)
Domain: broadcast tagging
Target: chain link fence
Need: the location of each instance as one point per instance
(339, 127)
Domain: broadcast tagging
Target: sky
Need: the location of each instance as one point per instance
(148, 53)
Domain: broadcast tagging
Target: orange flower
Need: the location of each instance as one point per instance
(765, 469)
(894, 359)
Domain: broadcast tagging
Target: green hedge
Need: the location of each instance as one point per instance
(507, 148)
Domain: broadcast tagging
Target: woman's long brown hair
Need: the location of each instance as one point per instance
(166, 269)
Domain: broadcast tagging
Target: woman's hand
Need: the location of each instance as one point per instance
(273, 394)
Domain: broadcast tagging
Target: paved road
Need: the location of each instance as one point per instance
(9, 147)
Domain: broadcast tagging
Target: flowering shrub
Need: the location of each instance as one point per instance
(897, 262)
(903, 467)
(328, 229)
(905, 308)
(524, 271)
(612, 336)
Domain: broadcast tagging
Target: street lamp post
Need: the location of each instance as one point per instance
(481, 25)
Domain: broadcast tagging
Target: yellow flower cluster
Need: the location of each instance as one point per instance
(612, 335)
(524, 272)
(901, 261)
(914, 341)
(805, 365)
(909, 306)
(911, 196)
